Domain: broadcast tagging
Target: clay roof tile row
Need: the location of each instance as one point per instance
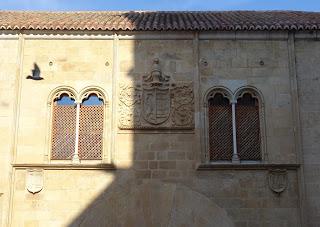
(160, 21)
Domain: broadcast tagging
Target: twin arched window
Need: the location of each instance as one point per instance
(234, 130)
(77, 127)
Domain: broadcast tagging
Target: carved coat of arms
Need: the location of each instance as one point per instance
(278, 180)
(34, 180)
(156, 103)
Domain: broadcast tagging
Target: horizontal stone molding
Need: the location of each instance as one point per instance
(156, 131)
(243, 35)
(154, 35)
(246, 166)
(104, 166)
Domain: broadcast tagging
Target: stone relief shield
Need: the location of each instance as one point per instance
(278, 180)
(34, 180)
(156, 102)
(156, 105)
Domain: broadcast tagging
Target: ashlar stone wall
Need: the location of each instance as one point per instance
(307, 58)
(9, 63)
(153, 172)
(62, 63)
(264, 65)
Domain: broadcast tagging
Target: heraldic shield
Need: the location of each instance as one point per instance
(156, 104)
(278, 180)
(34, 180)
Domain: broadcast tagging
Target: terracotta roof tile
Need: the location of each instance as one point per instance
(150, 21)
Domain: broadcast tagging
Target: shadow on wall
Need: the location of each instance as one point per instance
(151, 192)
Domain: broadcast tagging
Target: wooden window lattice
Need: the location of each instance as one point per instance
(248, 128)
(64, 114)
(91, 132)
(220, 128)
(63, 131)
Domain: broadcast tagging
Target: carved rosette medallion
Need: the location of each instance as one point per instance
(278, 180)
(34, 180)
(156, 103)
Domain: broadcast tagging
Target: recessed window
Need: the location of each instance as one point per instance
(77, 128)
(234, 132)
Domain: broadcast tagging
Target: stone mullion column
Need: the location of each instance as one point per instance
(235, 157)
(75, 158)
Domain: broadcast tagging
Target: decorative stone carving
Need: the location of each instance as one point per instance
(278, 180)
(34, 180)
(156, 103)
(129, 106)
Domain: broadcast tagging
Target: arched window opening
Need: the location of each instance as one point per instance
(220, 128)
(65, 100)
(91, 128)
(63, 127)
(248, 127)
(92, 100)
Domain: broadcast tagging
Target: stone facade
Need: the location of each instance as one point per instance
(155, 173)
(308, 83)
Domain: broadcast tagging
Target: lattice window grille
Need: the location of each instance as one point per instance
(223, 145)
(220, 128)
(91, 132)
(88, 138)
(63, 131)
(248, 128)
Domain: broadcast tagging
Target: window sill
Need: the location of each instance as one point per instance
(245, 166)
(101, 166)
